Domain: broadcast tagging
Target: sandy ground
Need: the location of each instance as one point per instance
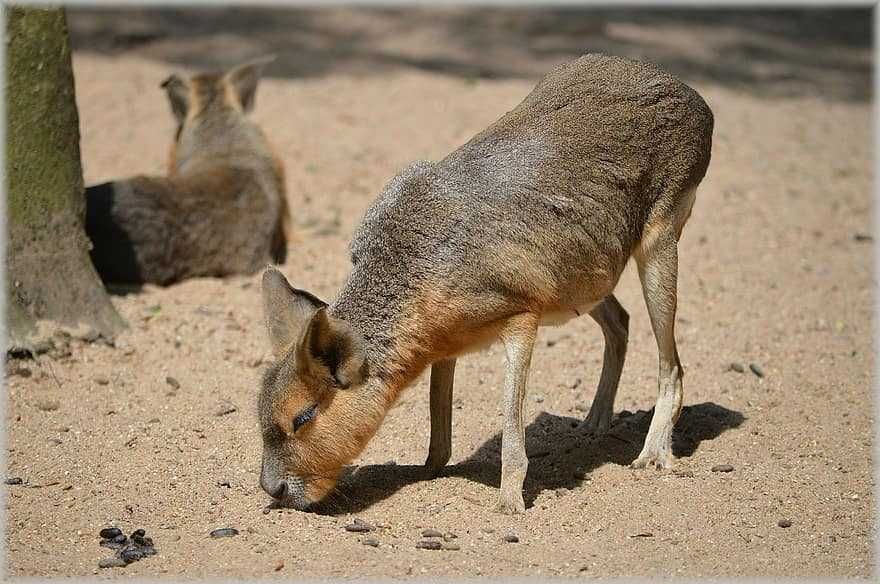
(775, 271)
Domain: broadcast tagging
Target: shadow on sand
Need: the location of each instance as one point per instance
(769, 52)
(558, 453)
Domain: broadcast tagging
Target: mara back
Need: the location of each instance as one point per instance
(539, 212)
(222, 208)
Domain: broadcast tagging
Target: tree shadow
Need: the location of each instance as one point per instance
(560, 455)
(770, 52)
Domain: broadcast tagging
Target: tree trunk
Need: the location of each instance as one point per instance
(50, 281)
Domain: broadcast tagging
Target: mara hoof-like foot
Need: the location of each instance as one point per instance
(659, 458)
(597, 422)
(434, 465)
(511, 505)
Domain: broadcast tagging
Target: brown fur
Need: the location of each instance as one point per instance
(529, 223)
(221, 210)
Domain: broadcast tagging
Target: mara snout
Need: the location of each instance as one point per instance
(529, 223)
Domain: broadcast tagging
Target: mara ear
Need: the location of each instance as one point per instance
(331, 346)
(244, 79)
(178, 95)
(287, 310)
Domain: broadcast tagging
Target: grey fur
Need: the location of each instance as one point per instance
(530, 222)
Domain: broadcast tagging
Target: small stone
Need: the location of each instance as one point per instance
(279, 566)
(784, 523)
(449, 536)
(101, 380)
(452, 547)
(266, 510)
(138, 533)
(371, 541)
(153, 421)
(110, 532)
(642, 534)
(738, 367)
(684, 473)
(224, 532)
(48, 405)
(359, 526)
(112, 563)
(756, 369)
(511, 538)
(226, 410)
(429, 544)
(863, 237)
(487, 530)
(562, 491)
(722, 468)
(55, 440)
(14, 481)
(431, 533)
(62, 429)
(172, 382)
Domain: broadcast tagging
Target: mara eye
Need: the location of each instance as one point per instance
(304, 416)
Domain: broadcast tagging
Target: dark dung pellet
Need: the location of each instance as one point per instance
(110, 532)
(784, 523)
(138, 533)
(511, 538)
(130, 555)
(14, 481)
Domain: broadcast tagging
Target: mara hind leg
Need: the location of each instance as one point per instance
(657, 261)
(614, 320)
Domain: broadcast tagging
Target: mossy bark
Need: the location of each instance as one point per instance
(50, 280)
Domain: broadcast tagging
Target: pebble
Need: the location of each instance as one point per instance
(172, 382)
(429, 544)
(862, 237)
(511, 538)
(738, 367)
(722, 468)
(48, 405)
(487, 530)
(14, 481)
(432, 533)
(784, 523)
(138, 533)
(359, 526)
(54, 440)
(371, 541)
(451, 547)
(562, 491)
(686, 473)
(226, 410)
(279, 566)
(110, 532)
(224, 532)
(62, 429)
(112, 563)
(101, 380)
(449, 536)
(756, 369)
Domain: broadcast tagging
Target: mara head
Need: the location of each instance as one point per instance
(207, 106)
(317, 409)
